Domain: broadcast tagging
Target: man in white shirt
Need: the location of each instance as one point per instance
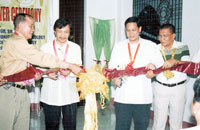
(59, 94)
(133, 95)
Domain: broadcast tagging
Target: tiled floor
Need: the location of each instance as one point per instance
(106, 119)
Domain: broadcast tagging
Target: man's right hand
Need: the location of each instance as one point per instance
(116, 81)
(2, 81)
(53, 76)
(150, 74)
(75, 69)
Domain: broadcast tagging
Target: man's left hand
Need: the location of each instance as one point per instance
(38, 76)
(170, 63)
(150, 66)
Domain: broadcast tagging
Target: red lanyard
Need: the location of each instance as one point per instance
(16, 33)
(66, 50)
(130, 55)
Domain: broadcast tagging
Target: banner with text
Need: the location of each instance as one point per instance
(39, 9)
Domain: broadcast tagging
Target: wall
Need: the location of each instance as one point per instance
(190, 36)
(53, 16)
(74, 11)
(190, 24)
(104, 9)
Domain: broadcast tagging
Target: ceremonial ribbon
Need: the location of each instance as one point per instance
(90, 83)
(167, 73)
(188, 67)
(29, 73)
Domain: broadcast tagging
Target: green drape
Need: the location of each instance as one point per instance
(103, 36)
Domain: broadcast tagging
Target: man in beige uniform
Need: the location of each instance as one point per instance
(16, 54)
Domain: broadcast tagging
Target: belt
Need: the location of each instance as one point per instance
(172, 85)
(12, 84)
(20, 86)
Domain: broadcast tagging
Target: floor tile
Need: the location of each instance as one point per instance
(106, 119)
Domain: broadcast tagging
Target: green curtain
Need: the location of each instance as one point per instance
(103, 36)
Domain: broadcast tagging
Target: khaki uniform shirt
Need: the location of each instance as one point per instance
(17, 53)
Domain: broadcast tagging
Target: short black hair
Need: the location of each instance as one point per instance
(21, 17)
(196, 88)
(60, 23)
(168, 26)
(133, 20)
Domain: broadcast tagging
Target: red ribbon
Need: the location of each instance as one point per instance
(188, 67)
(26, 74)
(30, 73)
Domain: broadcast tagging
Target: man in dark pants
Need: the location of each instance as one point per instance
(15, 56)
(133, 96)
(59, 93)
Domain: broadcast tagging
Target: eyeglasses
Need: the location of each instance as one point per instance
(165, 37)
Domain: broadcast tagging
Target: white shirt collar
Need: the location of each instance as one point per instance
(59, 46)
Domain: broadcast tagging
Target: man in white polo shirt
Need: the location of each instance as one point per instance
(133, 95)
(59, 94)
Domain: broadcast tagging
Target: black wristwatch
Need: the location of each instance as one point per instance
(121, 81)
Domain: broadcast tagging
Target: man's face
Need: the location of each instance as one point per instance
(62, 34)
(26, 28)
(166, 37)
(133, 32)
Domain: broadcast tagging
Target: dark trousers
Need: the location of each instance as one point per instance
(53, 115)
(125, 113)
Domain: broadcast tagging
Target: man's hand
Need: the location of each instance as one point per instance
(65, 72)
(38, 76)
(22, 83)
(116, 81)
(150, 74)
(53, 76)
(75, 69)
(170, 63)
(2, 81)
(150, 66)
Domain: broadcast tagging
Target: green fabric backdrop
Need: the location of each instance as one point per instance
(103, 36)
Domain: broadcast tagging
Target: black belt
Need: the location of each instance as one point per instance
(172, 85)
(12, 84)
(20, 86)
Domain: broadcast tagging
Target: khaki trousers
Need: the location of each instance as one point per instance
(168, 101)
(14, 109)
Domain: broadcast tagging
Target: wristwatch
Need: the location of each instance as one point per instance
(121, 81)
